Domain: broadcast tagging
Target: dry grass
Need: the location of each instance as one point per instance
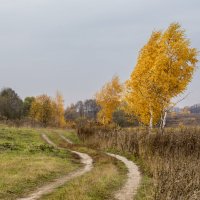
(172, 159)
(106, 177)
(95, 185)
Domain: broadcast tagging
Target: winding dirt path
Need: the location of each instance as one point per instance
(66, 139)
(46, 189)
(128, 191)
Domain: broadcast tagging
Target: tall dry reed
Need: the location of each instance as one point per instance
(172, 158)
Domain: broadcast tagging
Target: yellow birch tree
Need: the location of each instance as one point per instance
(59, 110)
(175, 65)
(140, 90)
(164, 68)
(108, 98)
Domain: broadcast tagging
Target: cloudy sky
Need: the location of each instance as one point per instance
(74, 46)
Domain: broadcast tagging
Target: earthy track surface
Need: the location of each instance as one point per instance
(128, 191)
(46, 189)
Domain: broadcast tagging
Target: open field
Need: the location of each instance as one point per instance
(181, 119)
(27, 162)
(170, 161)
(104, 179)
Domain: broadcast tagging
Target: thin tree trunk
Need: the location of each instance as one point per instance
(151, 121)
(161, 121)
(164, 120)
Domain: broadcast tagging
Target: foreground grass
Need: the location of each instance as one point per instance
(171, 159)
(27, 162)
(107, 176)
(146, 187)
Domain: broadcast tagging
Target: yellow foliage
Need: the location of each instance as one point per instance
(42, 110)
(175, 63)
(140, 89)
(59, 110)
(48, 111)
(164, 68)
(108, 98)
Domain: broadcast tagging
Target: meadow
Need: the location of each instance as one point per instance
(106, 177)
(28, 162)
(170, 162)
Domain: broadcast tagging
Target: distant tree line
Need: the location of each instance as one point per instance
(90, 110)
(46, 111)
(11, 105)
(195, 108)
(42, 109)
(82, 109)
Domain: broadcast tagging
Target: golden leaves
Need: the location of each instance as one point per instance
(108, 98)
(164, 68)
(48, 111)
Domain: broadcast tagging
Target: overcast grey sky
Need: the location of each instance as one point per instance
(74, 46)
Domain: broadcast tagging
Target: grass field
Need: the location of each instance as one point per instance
(105, 178)
(28, 162)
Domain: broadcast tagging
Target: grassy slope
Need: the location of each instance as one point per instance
(27, 162)
(106, 177)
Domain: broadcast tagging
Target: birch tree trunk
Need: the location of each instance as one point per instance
(161, 121)
(164, 120)
(151, 121)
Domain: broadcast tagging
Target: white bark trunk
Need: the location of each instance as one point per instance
(151, 120)
(161, 121)
(164, 120)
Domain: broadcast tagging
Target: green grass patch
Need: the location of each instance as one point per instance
(28, 162)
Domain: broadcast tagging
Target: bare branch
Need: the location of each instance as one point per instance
(177, 102)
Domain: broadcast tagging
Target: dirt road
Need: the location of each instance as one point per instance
(127, 192)
(129, 189)
(46, 189)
